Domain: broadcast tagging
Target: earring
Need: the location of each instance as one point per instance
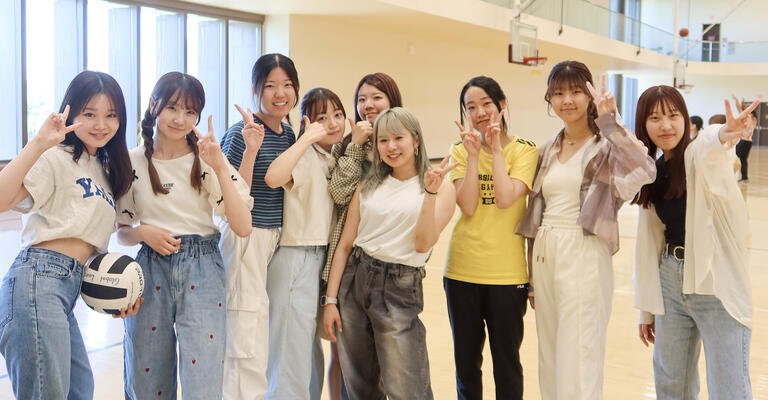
(416, 151)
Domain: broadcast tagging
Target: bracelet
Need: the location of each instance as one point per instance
(428, 192)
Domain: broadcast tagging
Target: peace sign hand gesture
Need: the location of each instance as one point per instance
(54, 129)
(738, 127)
(469, 137)
(433, 178)
(493, 134)
(253, 133)
(210, 151)
(361, 131)
(604, 100)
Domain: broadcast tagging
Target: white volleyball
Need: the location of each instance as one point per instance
(112, 281)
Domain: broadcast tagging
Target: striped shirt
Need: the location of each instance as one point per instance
(267, 211)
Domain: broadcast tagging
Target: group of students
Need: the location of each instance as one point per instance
(323, 234)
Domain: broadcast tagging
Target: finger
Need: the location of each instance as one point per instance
(197, 133)
(242, 112)
(445, 161)
(470, 124)
(351, 123)
(329, 331)
(728, 112)
(592, 91)
(73, 127)
(737, 102)
(461, 128)
(751, 107)
(210, 125)
(603, 85)
(65, 114)
(306, 122)
(450, 167)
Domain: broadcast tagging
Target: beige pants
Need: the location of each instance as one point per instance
(246, 260)
(573, 289)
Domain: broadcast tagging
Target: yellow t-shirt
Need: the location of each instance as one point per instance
(484, 248)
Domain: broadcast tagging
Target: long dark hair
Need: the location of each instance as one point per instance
(492, 89)
(380, 81)
(667, 98)
(173, 88)
(114, 155)
(261, 69)
(315, 102)
(573, 74)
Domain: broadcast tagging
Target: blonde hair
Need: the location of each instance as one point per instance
(394, 120)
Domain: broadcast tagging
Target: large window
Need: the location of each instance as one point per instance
(47, 42)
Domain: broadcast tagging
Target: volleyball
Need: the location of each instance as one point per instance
(112, 281)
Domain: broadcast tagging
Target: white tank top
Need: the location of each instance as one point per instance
(561, 187)
(388, 217)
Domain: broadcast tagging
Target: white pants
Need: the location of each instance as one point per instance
(246, 260)
(573, 289)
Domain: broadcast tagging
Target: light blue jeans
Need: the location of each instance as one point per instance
(184, 299)
(293, 286)
(39, 337)
(689, 320)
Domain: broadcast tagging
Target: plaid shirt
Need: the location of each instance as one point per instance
(614, 171)
(345, 176)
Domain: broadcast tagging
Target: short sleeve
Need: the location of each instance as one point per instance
(458, 155)
(301, 173)
(127, 214)
(233, 144)
(40, 183)
(523, 161)
(211, 186)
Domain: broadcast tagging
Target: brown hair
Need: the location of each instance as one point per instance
(573, 74)
(667, 98)
(716, 119)
(173, 88)
(315, 102)
(380, 81)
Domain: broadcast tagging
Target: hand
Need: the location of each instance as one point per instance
(647, 333)
(210, 151)
(493, 134)
(531, 300)
(313, 131)
(434, 176)
(604, 100)
(129, 311)
(737, 127)
(330, 317)
(360, 131)
(253, 133)
(469, 137)
(54, 129)
(158, 239)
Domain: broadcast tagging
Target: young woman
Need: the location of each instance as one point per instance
(395, 217)
(180, 176)
(486, 277)
(251, 146)
(294, 271)
(374, 94)
(691, 270)
(67, 180)
(585, 173)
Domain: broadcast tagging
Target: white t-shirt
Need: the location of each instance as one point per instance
(388, 217)
(308, 207)
(67, 199)
(184, 210)
(561, 188)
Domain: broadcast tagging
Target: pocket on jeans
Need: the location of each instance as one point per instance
(406, 288)
(52, 270)
(244, 333)
(6, 301)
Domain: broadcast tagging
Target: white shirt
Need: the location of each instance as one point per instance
(388, 217)
(67, 199)
(561, 188)
(716, 227)
(307, 206)
(184, 210)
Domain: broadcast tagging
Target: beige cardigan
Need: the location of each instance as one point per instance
(716, 226)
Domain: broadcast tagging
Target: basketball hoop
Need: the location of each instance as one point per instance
(685, 87)
(534, 61)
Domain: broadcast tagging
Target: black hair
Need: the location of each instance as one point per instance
(696, 120)
(264, 65)
(492, 89)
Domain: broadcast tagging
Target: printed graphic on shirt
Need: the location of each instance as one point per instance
(487, 195)
(91, 188)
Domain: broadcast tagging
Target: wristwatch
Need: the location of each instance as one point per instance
(328, 300)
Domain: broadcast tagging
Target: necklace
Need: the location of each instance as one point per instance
(568, 140)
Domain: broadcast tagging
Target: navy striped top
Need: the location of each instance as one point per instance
(267, 211)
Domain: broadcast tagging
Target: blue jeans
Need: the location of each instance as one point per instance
(689, 320)
(383, 347)
(293, 286)
(184, 299)
(39, 337)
